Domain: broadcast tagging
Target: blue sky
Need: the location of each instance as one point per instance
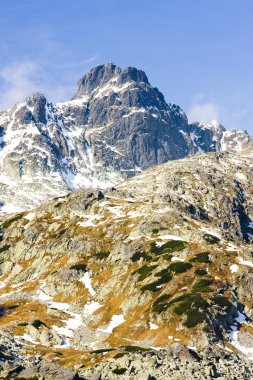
(199, 53)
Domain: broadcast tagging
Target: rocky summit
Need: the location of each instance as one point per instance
(150, 279)
(115, 126)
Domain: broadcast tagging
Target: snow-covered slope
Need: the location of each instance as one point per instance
(115, 126)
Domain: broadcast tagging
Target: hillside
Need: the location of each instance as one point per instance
(160, 261)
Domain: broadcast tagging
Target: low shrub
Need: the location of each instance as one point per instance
(159, 305)
(134, 348)
(4, 248)
(167, 257)
(194, 307)
(57, 205)
(200, 272)
(102, 350)
(194, 317)
(144, 271)
(7, 223)
(79, 267)
(156, 285)
(202, 257)
(102, 255)
(169, 247)
(179, 298)
(37, 323)
(119, 371)
(211, 239)
(120, 355)
(202, 286)
(179, 267)
(140, 255)
(59, 233)
(221, 301)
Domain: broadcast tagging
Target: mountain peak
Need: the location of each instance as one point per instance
(97, 76)
(133, 74)
(102, 74)
(37, 102)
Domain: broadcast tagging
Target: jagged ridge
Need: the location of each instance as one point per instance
(115, 126)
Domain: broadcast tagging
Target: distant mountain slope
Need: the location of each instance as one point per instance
(161, 259)
(115, 126)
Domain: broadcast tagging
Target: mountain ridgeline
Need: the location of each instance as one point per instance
(115, 126)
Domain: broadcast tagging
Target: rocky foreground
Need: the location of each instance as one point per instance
(176, 363)
(151, 279)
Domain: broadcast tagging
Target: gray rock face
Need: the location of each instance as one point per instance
(53, 371)
(115, 126)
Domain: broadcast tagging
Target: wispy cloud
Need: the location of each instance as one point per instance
(204, 112)
(18, 80)
(232, 117)
(86, 61)
(21, 78)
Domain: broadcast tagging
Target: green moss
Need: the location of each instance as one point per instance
(169, 247)
(140, 255)
(4, 248)
(8, 223)
(202, 286)
(144, 271)
(179, 267)
(211, 239)
(119, 371)
(200, 272)
(79, 267)
(202, 257)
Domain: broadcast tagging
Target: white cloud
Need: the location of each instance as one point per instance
(204, 112)
(20, 79)
(81, 63)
